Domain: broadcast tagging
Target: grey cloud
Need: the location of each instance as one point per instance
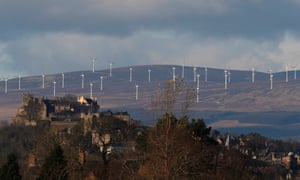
(54, 36)
(255, 18)
(61, 52)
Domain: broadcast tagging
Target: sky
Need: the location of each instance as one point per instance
(60, 36)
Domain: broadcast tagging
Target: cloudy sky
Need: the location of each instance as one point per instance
(59, 36)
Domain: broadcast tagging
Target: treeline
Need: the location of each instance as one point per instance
(175, 148)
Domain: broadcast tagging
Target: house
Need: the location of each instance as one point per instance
(124, 116)
(290, 161)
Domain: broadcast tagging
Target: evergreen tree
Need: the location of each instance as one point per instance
(55, 165)
(10, 170)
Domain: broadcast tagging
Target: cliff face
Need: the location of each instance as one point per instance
(32, 109)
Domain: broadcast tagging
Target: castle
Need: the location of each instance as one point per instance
(65, 109)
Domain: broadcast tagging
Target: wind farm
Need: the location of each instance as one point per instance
(270, 92)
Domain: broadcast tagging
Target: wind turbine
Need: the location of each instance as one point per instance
(197, 98)
(110, 69)
(101, 83)
(198, 80)
(174, 77)
(195, 71)
(205, 74)
(286, 73)
(62, 80)
(225, 81)
(19, 81)
(93, 65)
(295, 71)
(253, 75)
(91, 90)
(136, 92)
(43, 81)
(54, 88)
(182, 72)
(229, 76)
(149, 75)
(82, 80)
(130, 74)
(271, 79)
(5, 89)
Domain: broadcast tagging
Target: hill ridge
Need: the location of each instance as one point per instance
(119, 93)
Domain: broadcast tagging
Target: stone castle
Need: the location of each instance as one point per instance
(65, 109)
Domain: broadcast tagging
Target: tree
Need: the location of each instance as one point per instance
(110, 131)
(55, 165)
(167, 152)
(10, 170)
(199, 131)
(173, 98)
(174, 147)
(172, 151)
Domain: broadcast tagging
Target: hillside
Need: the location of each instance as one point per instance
(243, 104)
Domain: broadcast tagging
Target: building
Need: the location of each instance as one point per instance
(61, 109)
(123, 115)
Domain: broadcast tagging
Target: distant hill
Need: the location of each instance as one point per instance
(252, 105)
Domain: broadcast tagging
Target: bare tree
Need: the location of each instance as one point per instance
(179, 156)
(173, 98)
(169, 142)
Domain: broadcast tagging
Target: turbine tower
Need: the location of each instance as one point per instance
(174, 77)
(130, 74)
(286, 73)
(225, 80)
(253, 75)
(101, 83)
(43, 81)
(149, 75)
(91, 90)
(54, 88)
(198, 80)
(182, 72)
(110, 69)
(197, 98)
(62, 80)
(19, 81)
(136, 92)
(82, 80)
(229, 76)
(271, 79)
(295, 71)
(205, 74)
(5, 89)
(195, 71)
(93, 65)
